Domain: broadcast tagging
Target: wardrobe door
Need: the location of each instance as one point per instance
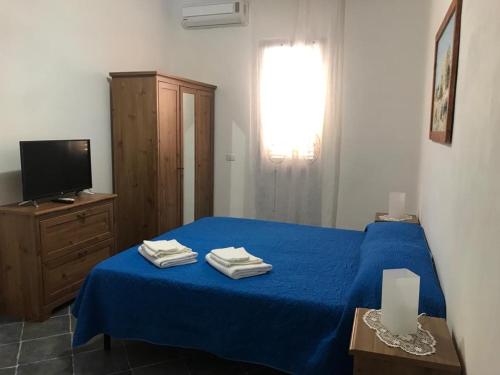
(169, 213)
(204, 154)
(133, 108)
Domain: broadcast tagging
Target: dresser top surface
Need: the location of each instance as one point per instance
(50, 207)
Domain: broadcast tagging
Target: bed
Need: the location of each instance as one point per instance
(296, 319)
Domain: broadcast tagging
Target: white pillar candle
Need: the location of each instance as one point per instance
(397, 205)
(400, 296)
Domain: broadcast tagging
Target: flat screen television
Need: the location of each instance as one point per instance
(54, 168)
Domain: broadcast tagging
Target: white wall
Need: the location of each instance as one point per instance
(224, 57)
(55, 57)
(383, 77)
(382, 98)
(219, 56)
(460, 187)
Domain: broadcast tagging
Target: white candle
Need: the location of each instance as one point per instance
(400, 296)
(397, 205)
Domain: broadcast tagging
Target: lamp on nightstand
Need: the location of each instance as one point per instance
(397, 205)
(400, 296)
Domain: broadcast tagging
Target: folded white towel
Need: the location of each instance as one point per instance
(232, 254)
(239, 271)
(158, 254)
(165, 247)
(251, 260)
(165, 261)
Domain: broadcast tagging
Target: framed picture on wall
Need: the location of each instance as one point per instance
(445, 75)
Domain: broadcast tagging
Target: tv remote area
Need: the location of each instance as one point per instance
(64, 200)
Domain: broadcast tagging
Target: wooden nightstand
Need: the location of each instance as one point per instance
(412, 220)
(373, 357)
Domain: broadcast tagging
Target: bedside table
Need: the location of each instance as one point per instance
(412, 220)
(373, 357)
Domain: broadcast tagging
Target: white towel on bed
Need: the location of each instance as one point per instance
(251, 260)
(232, 254)
(165, 247)
(165, 261)
(239, 271)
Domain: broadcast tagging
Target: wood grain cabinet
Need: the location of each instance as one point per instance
(46, 252)
(147, 132)
(373, 357)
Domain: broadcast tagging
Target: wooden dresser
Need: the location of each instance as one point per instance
(46, 252)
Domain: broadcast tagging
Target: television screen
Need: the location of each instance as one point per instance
(52, 168)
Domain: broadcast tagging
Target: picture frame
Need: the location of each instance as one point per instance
(444, 81)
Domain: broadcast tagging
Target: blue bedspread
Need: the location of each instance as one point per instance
(296, 318)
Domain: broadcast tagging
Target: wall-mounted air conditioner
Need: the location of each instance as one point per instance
(229, 13)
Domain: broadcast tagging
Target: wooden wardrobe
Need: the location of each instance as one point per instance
(148, 166)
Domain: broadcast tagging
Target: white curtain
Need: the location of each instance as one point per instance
(294, 139)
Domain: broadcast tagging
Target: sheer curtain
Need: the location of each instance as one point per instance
(294, 140)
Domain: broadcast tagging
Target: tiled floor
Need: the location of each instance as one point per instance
(45, 349)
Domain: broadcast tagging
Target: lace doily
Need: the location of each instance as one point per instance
(388, 218)
(421, 343)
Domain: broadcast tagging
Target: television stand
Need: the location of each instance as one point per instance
(64, 200)
(26, 203)
(47, 252)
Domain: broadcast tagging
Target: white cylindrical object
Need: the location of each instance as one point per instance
(400, 296)
(397, 205)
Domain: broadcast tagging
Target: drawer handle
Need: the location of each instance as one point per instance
(82, 253)
(64, 276)
(81, 215)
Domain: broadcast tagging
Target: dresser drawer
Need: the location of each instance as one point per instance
(62, 234)
(64, 275)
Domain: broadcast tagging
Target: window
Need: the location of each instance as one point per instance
(292, 100)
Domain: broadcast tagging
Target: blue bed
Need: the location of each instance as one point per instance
(296, 318)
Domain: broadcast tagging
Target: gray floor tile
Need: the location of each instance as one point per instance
(261, 370)
(4, 319)
(8, 355)
(50, 327)
(167, 368)
(40, 354)
(59, 366)
(142, 353)
(201, 363)
(101, 362)
(96, 343)
(10, 333)
(46, 348)
(8, 371)
(184, 353)
(64, 310)
(73, 323)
